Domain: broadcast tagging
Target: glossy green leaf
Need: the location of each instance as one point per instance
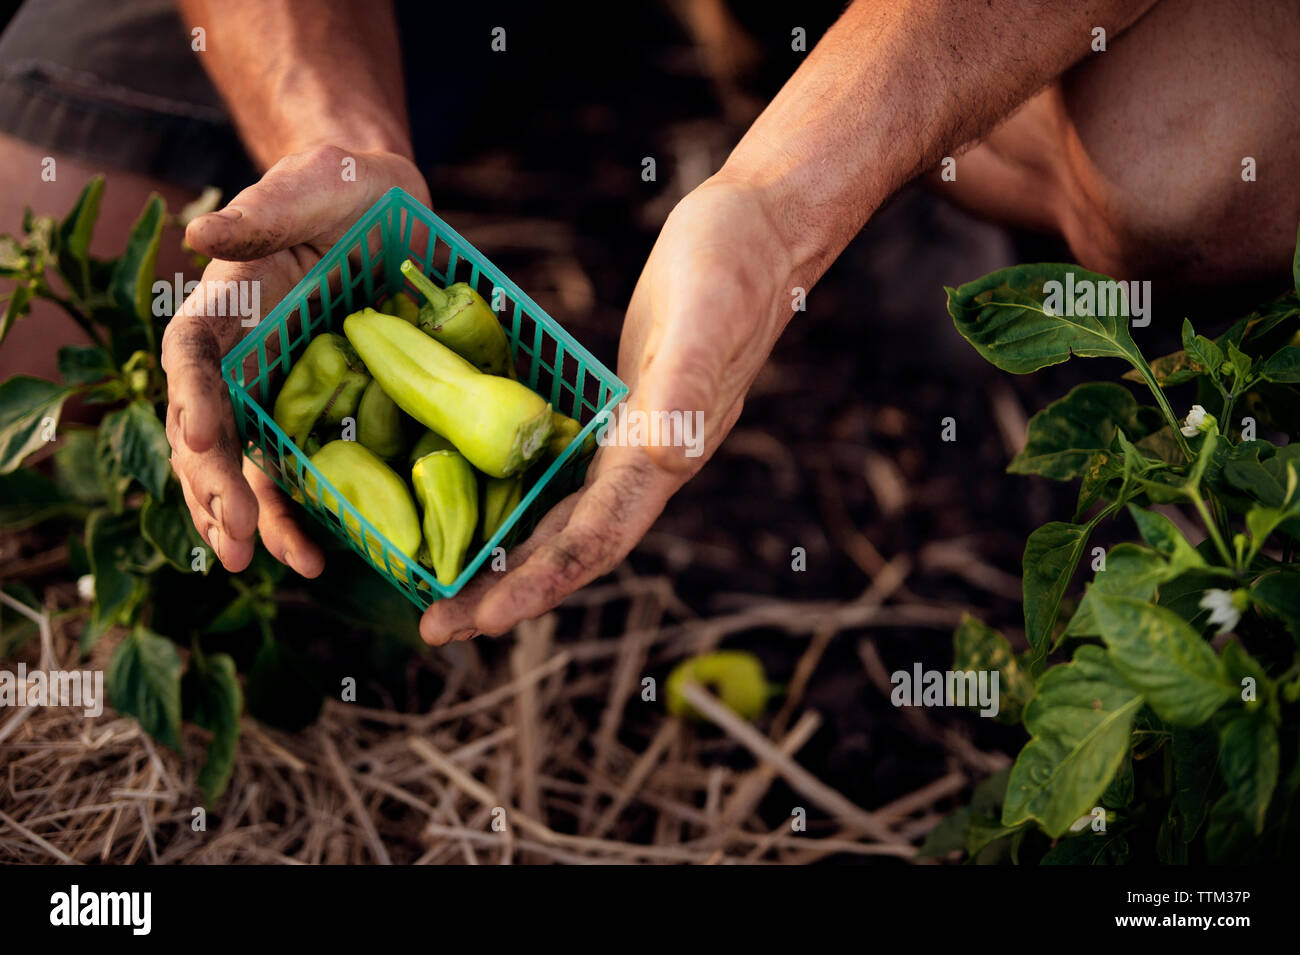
(74, 236)
(133, 443)
(1051, 556)
(1249, 758)
(74, 465)
(134, 274)
(1161, 533)
(1065, 435)
(109, 540)
(981, 648)
(1003, 316)
(1283, 367)
(29, 417)
(1163, 658)
(17, 306)
(1080, 720)
(1202, 351)
(144, 681)
(85, 364)
(1131, 571)
(215, 701)
(168, 526)
(1278, 594)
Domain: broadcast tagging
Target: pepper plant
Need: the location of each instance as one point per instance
(110, 492)
(1161, 705)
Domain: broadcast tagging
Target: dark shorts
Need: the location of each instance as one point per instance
(116, 83)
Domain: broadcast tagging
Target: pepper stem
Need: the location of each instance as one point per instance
(424, 285)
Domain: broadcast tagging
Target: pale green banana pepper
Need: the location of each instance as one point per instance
(380, 423)
(448, 494)
(323, 387)
(458, 317)
(377, 493)
(401, 305)
(498, 424)
(500, 498)
(737, 677)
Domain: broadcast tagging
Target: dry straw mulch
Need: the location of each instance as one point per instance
(527, 760)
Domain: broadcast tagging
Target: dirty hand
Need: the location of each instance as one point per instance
(267, 238)
(704, 316)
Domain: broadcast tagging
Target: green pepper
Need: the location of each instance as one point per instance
(564, 430)
(401, 305)
(500, 498)
(427, 443)
(448, 494)
(737, 677)
(458, 317)
(380, 423)
(323, 386)
(377, 493)
(498, 424)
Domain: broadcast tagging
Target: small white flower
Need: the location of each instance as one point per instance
(1223, 608)
(86, 587)
(1194, 423)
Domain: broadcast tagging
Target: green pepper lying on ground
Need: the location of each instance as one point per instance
(498, 424)
(737, 678)
(377, 493)
(323, 387)
(448, 494)
(458, 317)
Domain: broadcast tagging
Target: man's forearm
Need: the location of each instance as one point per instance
(297, 75)
(893, 87)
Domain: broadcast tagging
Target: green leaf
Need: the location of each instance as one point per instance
(1249, 758)
(211, 689)
(1295, 263)
(144, 681)
(74, 466)
(76, 230)
(1259, 470)
(133, 277)
(1163, 658)
(133, 443)
(85, 364)
(948, 836)
(1202, 351)
(1089, 848)
(1003, 316)
(1283, 367)
(1195, 754)
(1052, 553)
(29, 417)
(28, 498)
(1229, 837)
(1278, 594)
(1080, 720)
(1065, 435)
(1161, 533)
(1176, 368)
(981, 648)
(167, 525)
(1131, 571)
(14, 263)
(109, 540)
(18, 306)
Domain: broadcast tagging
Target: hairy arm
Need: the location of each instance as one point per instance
(892, 88)
(295, 76)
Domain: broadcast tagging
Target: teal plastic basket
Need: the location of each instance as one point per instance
(358, 271)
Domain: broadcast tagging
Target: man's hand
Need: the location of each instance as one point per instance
(703, 318)
(271, 233)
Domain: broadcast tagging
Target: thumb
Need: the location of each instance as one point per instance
(299, 201)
